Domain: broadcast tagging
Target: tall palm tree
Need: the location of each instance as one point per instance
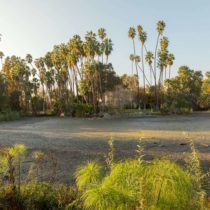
(1, 57)
(102, 33)
(143, 38)
(131, 35)
(108, 47)
(102, 36)
(164, 43)
(160, 29)
(149, 58)
(132, 57)
(171, 59)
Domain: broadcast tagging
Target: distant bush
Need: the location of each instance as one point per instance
(37, 104)
(58, 106)
(4, 103)
(176, 107)
(15, 101)
(9, 115)
(82, 110)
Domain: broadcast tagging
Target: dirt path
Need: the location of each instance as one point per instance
(74, 141)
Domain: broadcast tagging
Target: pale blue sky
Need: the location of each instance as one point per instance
(34, 26)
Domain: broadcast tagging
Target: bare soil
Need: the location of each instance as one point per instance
(75, 141)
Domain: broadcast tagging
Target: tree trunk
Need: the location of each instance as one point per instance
(142, 55)
(155, 72)
(138, 90)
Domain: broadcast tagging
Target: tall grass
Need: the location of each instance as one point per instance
(136, 184)
(132, 184)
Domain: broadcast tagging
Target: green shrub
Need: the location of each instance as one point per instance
(15, 101)
(82, 110)
(136, 184)
(164, 109)
(9, 115)
(4, 103)
(58, 106)
(38, 195)
(37, 104)
(124, 185)
(129, 185)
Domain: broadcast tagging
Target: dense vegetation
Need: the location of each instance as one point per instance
(129, 184)
(76, 77)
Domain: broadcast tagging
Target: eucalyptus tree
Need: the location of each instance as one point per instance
(39, 63)
(49, 76)
(29, 58)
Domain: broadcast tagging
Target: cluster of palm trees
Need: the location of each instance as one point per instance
(159, 63)
(76, 70)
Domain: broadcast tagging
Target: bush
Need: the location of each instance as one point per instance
(130, 185)
(15, 101)
(179, 106)
(4, 103)
(136, 184)
(9, 115)
(38, 195)
(37, 104)
(82, 110)
(58, 106)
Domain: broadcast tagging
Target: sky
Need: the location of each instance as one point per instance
(35, 26)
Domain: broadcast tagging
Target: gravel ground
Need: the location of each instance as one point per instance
(74, 141)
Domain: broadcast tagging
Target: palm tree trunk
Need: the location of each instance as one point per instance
(169, 76)
(155, 71)
(137, 73)
(142, 55)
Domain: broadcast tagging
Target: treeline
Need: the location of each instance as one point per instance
(73, 74)
(187, 91)
(76, 78)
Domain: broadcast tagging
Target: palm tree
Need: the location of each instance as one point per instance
(149, 58)
(164, 43)
(131, 35)
(132, 57)
(170, 61)
(1, 57)
(108, 47)
(90, 45)
(143, 38)
(160, 28)
(102, 35)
